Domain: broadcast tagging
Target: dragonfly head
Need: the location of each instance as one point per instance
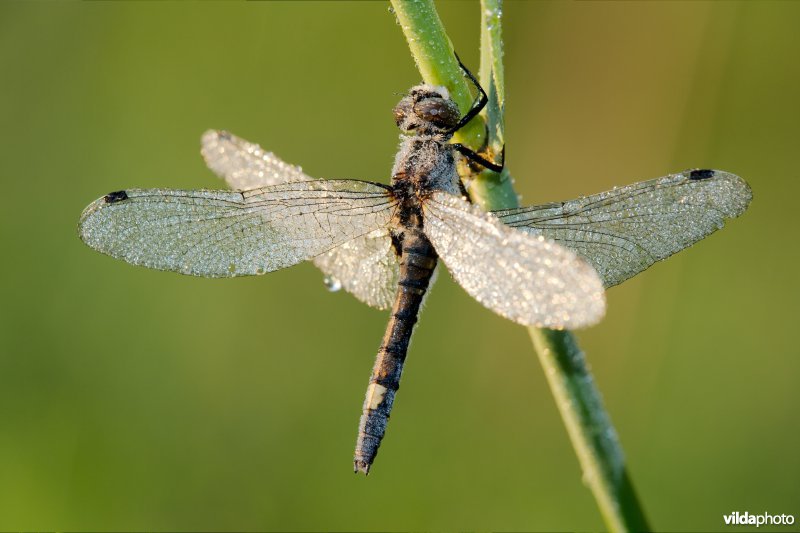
(426, 110)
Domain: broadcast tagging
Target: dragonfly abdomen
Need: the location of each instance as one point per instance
(417, 264)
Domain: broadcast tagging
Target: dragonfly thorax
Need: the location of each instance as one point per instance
(427, 110)
(425, 164)
(425, 161)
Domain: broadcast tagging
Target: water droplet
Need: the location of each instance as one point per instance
(332, 284)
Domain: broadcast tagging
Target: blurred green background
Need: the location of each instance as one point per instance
(133, 399)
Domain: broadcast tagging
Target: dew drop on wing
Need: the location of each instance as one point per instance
(332, 284)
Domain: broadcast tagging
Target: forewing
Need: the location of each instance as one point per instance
(229, 233)
(625, 230)
(366, 267)
(525, 278)
(245, 165)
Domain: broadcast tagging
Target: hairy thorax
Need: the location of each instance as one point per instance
(425, 163)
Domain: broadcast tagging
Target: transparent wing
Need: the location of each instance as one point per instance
(245, 165)
(525, 278)
(224, 234)
(625, 230)
(366, 267)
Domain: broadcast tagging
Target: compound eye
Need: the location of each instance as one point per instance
(401, 111)
(437, 111)
(399, 115)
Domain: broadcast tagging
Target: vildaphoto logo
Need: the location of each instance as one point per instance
(765, 519)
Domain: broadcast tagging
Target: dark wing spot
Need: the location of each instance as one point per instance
(699, 174)
(114, 197)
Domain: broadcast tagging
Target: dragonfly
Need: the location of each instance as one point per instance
(546, 265)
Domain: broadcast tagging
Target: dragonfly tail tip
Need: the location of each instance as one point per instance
(361, 466)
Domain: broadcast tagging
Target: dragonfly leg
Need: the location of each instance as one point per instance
(479, 159)
(477, 106)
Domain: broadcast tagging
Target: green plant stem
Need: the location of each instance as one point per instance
(489, 189)
(577, 398)
(590, 430)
